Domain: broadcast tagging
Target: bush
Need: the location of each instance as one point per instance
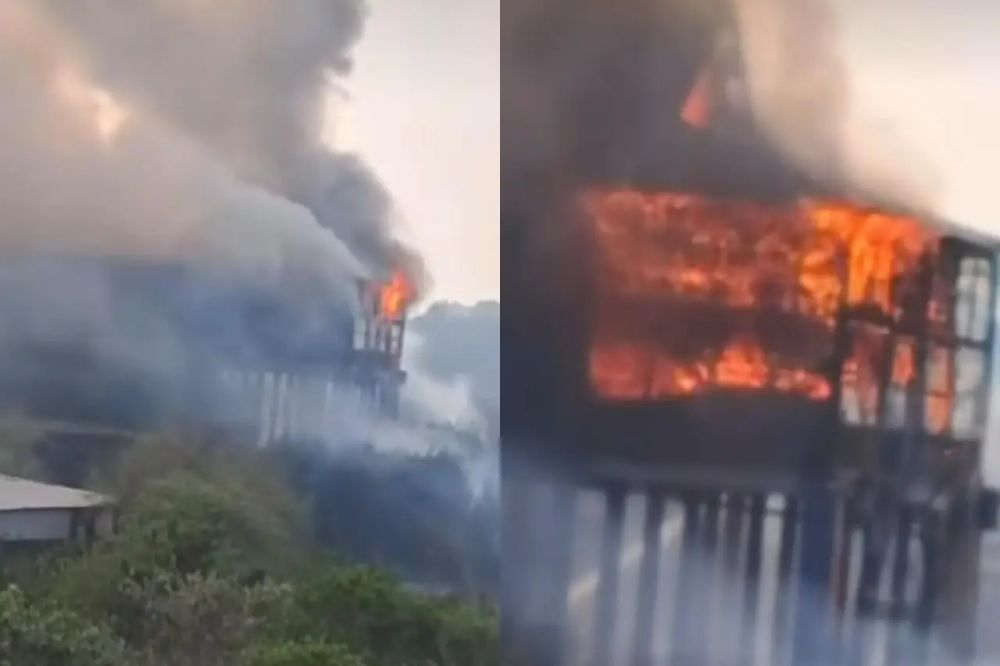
(375, 616)
(181, 525)
(197, 620)
(306, 653)
(45, 636)
(187, 524)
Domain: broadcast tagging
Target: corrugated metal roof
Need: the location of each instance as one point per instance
(18, 494)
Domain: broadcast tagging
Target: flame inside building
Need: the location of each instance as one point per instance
(697, 319)
(695, 295)
(188, 352)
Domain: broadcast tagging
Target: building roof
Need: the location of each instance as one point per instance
(18, 494)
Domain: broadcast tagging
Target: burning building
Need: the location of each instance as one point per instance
(178, 350)
(696, 318)
(181, 245)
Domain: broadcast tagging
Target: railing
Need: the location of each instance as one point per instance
(644, 575)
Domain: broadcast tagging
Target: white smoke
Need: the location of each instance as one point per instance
(436, 400)
(803, 93)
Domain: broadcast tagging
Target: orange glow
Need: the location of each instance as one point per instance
(939, 409)
(742, 365)
(903, 371)
(697, 109)
(394, 296)
(940, 383)
(634, 372)
(737, 267)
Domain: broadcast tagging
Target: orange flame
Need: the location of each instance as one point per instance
(394, 296)
(742, 365)
(657, 251)
(903, 370)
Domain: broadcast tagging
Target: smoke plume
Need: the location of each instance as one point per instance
(187, 130)
(163, 175)
(593, 91)
(796, 62)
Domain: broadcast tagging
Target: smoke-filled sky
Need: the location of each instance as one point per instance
(188, 130)
(928, 71)
(921, 79)
(901, 94)
(423, 102)
(424, 111)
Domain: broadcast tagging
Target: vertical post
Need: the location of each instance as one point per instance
(844, 552)
(732, 531)
(959, 596)
(901, 560)
(610, 574)
(731, 579)
(685, 614)
(704, 631)
(813, 630)
(751, 593)
(786, 559)
(649, 569)
(986, 393)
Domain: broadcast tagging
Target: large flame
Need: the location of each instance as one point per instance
(394, 296)
(689, 287)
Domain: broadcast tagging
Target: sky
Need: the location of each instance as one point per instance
(928, 72)
(423, 108)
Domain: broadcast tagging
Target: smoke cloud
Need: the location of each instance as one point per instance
(187, 131)
(795, 55)
(163, 174)
(597, 89)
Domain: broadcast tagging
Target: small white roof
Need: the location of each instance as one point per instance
(18, 494)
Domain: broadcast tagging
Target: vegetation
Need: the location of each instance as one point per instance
(213, 566)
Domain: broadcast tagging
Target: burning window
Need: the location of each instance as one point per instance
(973, 317)
(694, 294)
(863, 373)
(940, 388)
(383, 315)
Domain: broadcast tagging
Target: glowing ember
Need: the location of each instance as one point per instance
(697, 110)
(903, 371)
(940, 398)
(394, 296)
(695, 294)
(742, 364)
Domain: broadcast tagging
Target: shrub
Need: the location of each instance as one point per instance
(306, 653)
(38, 635)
